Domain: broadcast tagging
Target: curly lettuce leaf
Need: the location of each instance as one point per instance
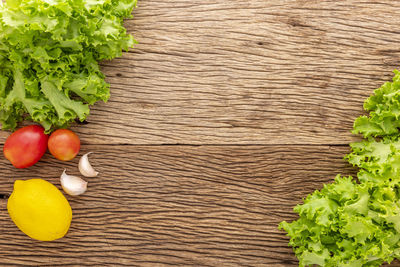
(358, 224)
(49, 54)
(384, 111)
(347, 224)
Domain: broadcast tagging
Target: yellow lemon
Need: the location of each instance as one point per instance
(39, 209)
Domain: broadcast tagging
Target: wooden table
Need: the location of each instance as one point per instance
(224, 116)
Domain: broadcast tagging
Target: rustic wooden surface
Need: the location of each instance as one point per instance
(170, 205)
(225, 115)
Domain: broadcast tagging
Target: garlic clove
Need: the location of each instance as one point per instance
(85, 168)
(73, 185)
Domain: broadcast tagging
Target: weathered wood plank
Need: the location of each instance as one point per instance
(248, 72)
(170, 205)
(215, 72)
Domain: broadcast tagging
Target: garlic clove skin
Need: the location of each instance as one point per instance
(85, 168)
(73, 185)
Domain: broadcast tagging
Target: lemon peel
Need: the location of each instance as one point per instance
(39, 209)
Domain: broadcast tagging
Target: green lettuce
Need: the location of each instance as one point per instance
(49, 54)
(357, 222)
(384, 111)
(348, 224)
(378, 160)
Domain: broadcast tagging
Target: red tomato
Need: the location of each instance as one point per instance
(26, 146)
(64, 144)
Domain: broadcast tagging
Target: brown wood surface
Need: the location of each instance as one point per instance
(170, 205)
(247, 72)
(224, 116)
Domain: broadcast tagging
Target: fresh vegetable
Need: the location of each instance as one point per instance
(26, 146)
(49, 54)
(64, 144)
(384, 108)
(39, 209)
(85, 167)
(350, 223)
(73, 185)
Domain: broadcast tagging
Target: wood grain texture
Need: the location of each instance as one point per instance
(247, 72)
(262, 93)
(171, 205)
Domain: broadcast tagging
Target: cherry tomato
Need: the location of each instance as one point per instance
(26, 146)
(64, 144)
